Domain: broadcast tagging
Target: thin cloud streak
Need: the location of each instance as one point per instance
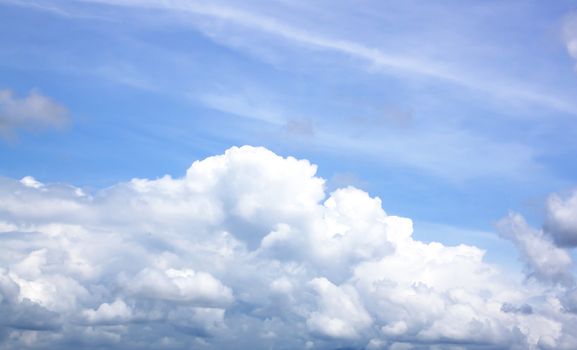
(499, 89)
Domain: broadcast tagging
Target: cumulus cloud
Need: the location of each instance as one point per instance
(340, 314)
(185, 286)
(561, 219)
(34, 111)
(116, 312)
(544, 260)
(247, 250)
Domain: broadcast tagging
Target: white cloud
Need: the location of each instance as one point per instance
(186, 286)
(30, 112)
(388, 60)
(561, 219)
(29, 181)
(229, 25)
(116, 312)
(340, 312)
(543, 258)
(248, 251)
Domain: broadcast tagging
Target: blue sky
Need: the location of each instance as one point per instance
(453, 113)
(450, 116)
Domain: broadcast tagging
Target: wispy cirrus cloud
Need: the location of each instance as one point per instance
(498, 87)
(495, 86)
(438, 140)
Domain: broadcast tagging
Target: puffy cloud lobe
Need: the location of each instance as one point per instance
(30, 112)
(341, 313)
(116, 312)
(23, 314)
(186, 286)
(248, 251)
(561, 219)
(543, 258)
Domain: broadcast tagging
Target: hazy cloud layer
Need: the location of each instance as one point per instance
(34, 111)
(380, 60)
(247, 250)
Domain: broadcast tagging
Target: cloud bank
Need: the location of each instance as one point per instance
(31, 112)
(247, 250)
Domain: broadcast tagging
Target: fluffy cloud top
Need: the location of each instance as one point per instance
(31, 112)
(247, 250)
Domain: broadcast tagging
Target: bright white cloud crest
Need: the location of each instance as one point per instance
(247, 251)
